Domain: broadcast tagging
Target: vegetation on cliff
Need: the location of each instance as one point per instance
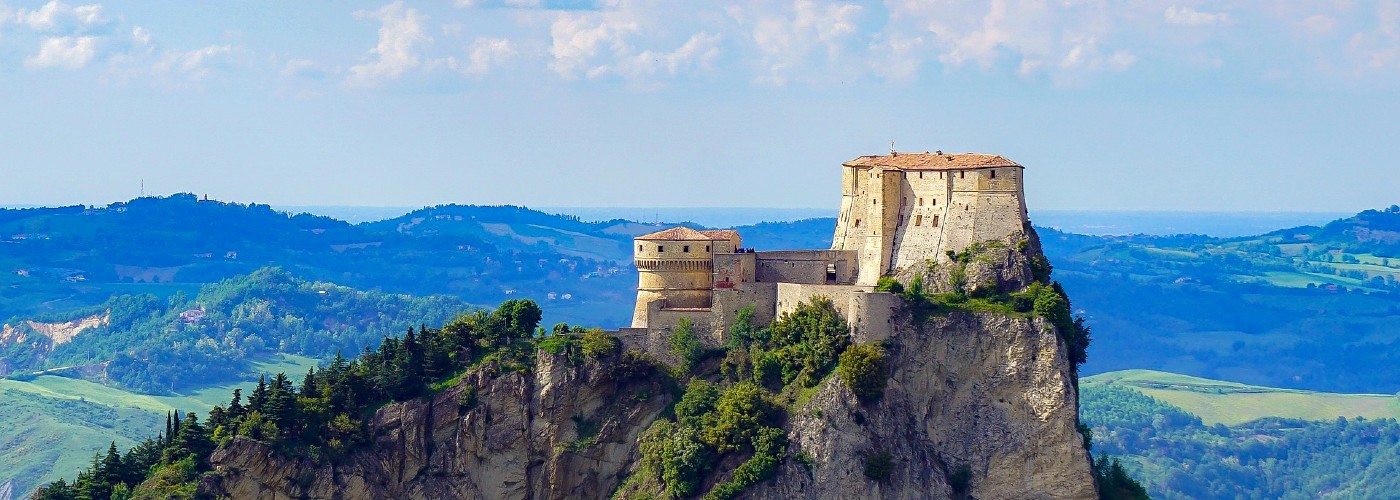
(324, 418)
(727, 432)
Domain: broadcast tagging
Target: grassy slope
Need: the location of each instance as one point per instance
(51, 426)
(1231, 403)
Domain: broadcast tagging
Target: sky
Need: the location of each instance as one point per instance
(1110, 105)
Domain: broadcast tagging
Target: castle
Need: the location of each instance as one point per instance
(897, 211)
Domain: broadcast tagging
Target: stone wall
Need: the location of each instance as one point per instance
(806, 266)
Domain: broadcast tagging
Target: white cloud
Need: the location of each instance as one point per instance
(67, 52)
(1186, 16)
(56, 16)
(791, 42)
(190, 66)
(579, 40)
(485, 54)
(401, 36)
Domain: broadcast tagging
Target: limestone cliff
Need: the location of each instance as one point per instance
(520, 439)
(979, 404)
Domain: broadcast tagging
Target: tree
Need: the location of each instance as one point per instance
(865, 370)
(685, 344)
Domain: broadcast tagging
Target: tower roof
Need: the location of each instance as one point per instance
(932, 161)
(679, 233)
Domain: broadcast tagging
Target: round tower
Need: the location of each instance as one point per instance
(674, 266)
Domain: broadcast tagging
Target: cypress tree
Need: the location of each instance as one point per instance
(113, 469)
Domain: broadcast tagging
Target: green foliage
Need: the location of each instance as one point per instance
(889, 284)
(865, 371)
(466, 400)
(879, 466)
(1114, 482)
(324, 418)
(597, 344)
(805, 343)
(685, 344)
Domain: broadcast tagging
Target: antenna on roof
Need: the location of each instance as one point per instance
(892, 152)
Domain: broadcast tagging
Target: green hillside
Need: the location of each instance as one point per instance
(1231, 403)
(1149, 421)
(51, 426)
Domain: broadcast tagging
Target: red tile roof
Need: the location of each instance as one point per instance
(932, 161)
(676, 234)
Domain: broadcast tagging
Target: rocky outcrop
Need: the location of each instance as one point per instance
(519, 440)
(981, 392)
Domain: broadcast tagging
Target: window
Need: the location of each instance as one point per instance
(994, 174)
(918, 220)
(685, 249)
(934, 222)
(873, 201)
(962, 175)
(857, 222)
(921, 175)
(707, 248)
(935, 202)
(639, 248)
(921, 202)
(660, 248)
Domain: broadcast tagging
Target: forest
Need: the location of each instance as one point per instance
(160, 346)
(1176, 456)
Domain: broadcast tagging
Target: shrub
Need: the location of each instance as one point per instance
(879, 466)
(597, 344)
(865, 370)
(889, 284)
(685, 344)
(466, 401)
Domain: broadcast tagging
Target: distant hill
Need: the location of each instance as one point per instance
(1307, 308)
(152, 345)
(59, 259)
(1189, 438)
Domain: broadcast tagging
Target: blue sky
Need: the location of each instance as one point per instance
(1111, 105)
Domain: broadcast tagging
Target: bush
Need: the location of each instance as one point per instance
(865, 370)
(597, 344)
(889, 284)
(685, 344)
(879, 466)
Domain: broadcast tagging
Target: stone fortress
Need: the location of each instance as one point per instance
(897, 211)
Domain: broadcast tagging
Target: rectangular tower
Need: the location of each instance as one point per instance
(904, 209)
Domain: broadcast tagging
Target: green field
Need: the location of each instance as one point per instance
(1231, 403)
(51, 426)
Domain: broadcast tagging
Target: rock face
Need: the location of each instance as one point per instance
(983, 392)
(978, 405)
(513, 443)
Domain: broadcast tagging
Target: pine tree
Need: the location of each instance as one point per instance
(259, 397)
(308, 385)
(235, 407)
(113, 469)
(281, 404)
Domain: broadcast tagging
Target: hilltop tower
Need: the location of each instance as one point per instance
(676, 266)
(906, 208)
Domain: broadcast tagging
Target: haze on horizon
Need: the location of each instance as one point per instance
(1153, 105)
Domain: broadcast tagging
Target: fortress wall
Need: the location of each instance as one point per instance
(673, 250)
(872, 316)
(791, 294)
(727, 303)
(805, 266)
(734, 268)
(919, 237)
